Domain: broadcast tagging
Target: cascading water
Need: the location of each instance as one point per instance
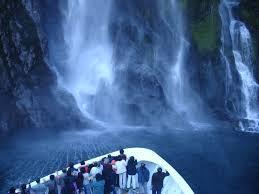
(177, 68)
(236, 34)
(89, 53)
(127, 61)
(183, 98)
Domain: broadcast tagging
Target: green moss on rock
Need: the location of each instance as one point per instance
(184, 3)
(204, 20)
(205, 34)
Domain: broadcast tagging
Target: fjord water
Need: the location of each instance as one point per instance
(211, 161)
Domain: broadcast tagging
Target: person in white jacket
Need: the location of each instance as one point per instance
(121, 170)
(96, 169)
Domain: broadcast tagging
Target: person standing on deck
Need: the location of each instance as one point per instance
(122, 155)
(131, 171)
(73, 170)
(96, 169)
(39, 188)
(79, 183)
(86, 181)
(52, 185)
(107, 175)
(12, 190)
(121, 170)
(24, 189)
(157, 181)
(70, 182)
(60, 179)
(143, 178)
(84, 165)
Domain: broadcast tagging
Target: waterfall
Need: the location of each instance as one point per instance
(175, 85)
(183, 98)
(127, 64)
(88, 65)
(177, 66)
(236, 36)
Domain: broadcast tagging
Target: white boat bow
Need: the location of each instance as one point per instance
(172, 184)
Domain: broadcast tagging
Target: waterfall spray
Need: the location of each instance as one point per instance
(89, 54)
(183, 97)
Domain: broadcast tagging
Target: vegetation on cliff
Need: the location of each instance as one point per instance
(204, 24)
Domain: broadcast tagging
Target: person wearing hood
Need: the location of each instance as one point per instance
(143, 178)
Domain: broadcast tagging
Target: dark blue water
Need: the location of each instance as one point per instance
(212, 161)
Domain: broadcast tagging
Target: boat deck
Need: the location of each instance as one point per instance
(173, 184)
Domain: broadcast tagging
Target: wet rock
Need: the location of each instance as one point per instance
(29, 95)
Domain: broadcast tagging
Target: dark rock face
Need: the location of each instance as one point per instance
(206, 67)
(47, 15)
(144, 47)
(29, 97)
(249, 14)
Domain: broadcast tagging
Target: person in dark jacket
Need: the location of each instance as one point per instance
(61, 180)
(52, 185)
(121, 155)
(114, 181)
(143, 178)
(110, 157)
(73, 170)
(39, 188)
(69, 182)
(107, 175)
(12, 190)
(24, 190)
(131, 171)
(80, 181)
(157, 181)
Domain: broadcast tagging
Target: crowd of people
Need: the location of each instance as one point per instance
(111, 175)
